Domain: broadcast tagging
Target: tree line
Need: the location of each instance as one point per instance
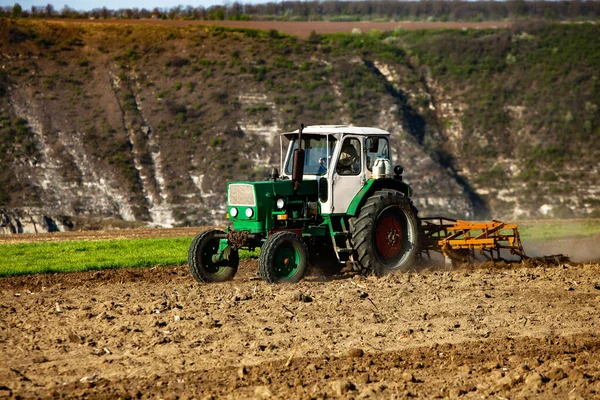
(333, 10)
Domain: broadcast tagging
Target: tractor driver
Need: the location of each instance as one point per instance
(349, 162)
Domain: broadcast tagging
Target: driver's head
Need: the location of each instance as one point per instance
(348, 155)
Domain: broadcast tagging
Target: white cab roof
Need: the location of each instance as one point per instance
(339, 129)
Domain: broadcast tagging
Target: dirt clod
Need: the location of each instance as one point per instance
(363, 378)
(557, 374)
(355, 353)
(456, 393)
(74, 338)
(302, 297)
(408, 377)
(311, 368)
(508, 382)
(534, 380)
(342, 386)
(39, 359)
(368, 393)
(5, 391)
(263, 392)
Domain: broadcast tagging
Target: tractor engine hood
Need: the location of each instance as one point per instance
(250, 204)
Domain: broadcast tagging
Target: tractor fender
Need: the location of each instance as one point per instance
(372, 186)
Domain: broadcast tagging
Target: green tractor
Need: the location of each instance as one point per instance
(337, 200)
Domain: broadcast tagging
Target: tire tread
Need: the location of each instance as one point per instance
(198, 270)
(266, 268)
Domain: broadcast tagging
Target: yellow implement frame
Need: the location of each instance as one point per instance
(459, 240)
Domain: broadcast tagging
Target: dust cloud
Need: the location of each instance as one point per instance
(582, 249)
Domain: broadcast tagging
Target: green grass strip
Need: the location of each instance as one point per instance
(557, 229)
(70, 256)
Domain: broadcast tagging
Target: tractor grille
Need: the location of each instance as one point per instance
(241, 195)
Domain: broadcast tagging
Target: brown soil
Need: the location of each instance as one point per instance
(303, 29)
(518, 332)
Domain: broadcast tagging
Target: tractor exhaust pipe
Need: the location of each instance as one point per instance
(298, 163)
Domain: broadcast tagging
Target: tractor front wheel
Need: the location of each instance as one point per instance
(206, 264)
(283, 258)
(385, 234)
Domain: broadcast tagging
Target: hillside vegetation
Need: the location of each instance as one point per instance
(149, 122)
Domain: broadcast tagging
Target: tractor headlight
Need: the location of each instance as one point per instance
(280, 203)
(233, 212)
(249, 212)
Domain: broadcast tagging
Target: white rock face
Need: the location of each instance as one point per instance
(270, 133)
(57, 192)
(545, 209)
(94, 186)
(29, 220)
(142, 139)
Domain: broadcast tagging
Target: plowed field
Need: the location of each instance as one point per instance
(492, 332)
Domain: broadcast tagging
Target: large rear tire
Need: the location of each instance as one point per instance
(283, 258)
(201, 263)
(385, 234)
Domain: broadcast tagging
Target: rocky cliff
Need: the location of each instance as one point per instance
(148, 123)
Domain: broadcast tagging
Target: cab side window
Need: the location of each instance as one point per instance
(349, 162)
(377, 147)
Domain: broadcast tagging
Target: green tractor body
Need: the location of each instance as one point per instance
(336, 201)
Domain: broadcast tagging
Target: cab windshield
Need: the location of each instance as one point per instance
(316, 155)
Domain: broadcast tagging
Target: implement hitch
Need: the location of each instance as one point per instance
(458, 240)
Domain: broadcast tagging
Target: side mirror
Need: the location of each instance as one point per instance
(398, 170)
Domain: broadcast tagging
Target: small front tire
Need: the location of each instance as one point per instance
(202, 265)
(283, 258)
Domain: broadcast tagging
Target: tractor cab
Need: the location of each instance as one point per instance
(341, 159)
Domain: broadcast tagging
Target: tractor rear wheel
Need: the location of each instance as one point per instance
(385, 234)
(283, 258)
(202, 260)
